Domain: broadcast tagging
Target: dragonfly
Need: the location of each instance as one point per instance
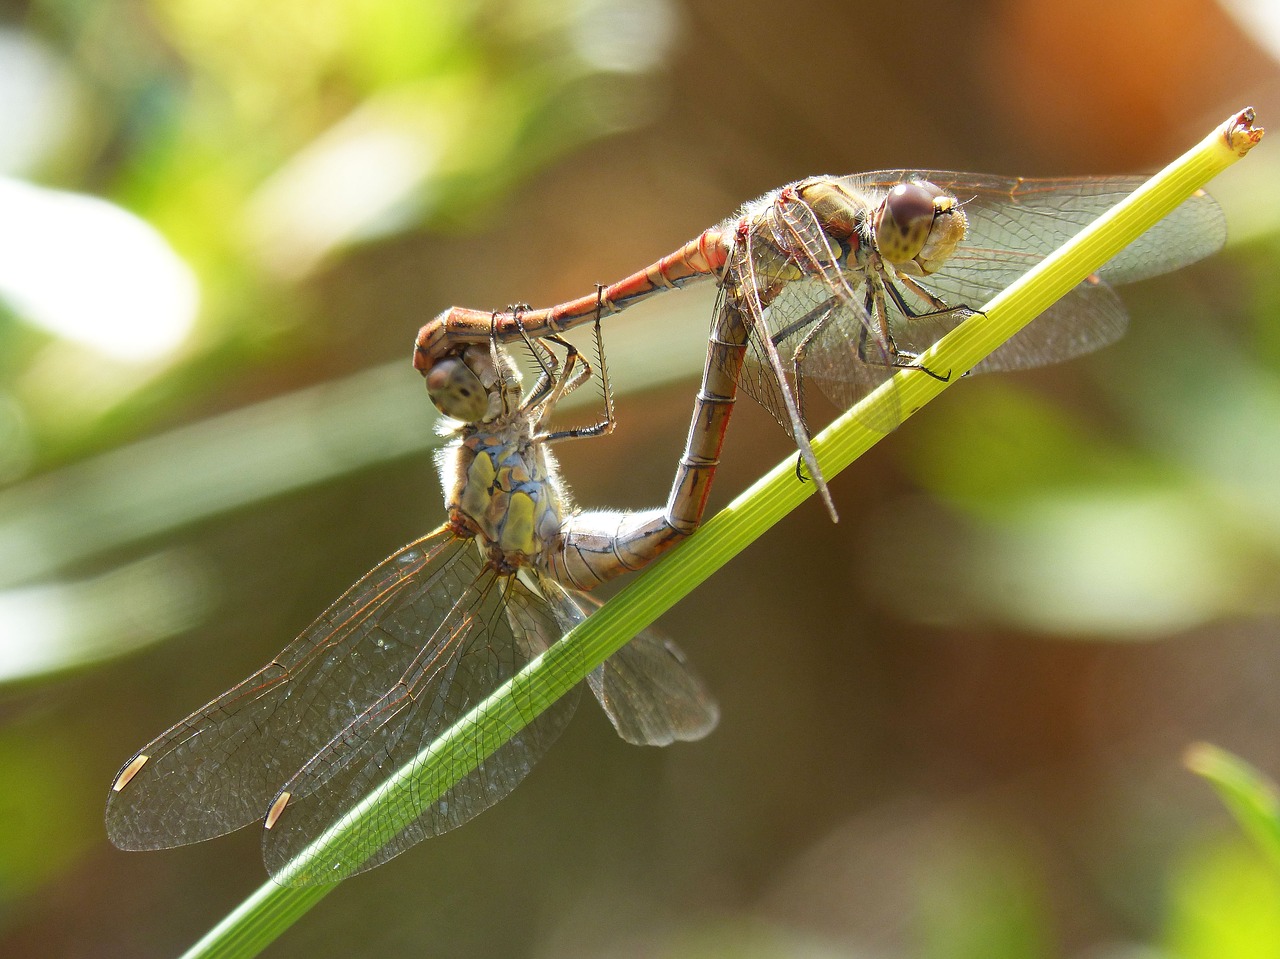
(419, 641)
(841, 282)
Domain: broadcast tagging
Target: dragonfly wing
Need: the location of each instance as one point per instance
(219, 768)
(843, 330)
(648, 689)
(1088, 318)
(1036, 216)
(1013, 224)
(801, 303)
(755, 274)
(758, 378)
(491, 631)
(827, 336)
(1197, 228)
(758, 270)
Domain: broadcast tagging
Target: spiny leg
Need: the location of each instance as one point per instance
(543, 357)
(607, 425)
(899, 359)
(752, 308)
(606, 388)
(572, 372)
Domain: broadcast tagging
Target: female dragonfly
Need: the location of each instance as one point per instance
(417, 642)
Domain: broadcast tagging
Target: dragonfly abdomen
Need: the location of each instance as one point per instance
(594, 547)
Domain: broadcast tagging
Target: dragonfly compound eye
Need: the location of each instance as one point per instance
(457, 391)
(918, 226)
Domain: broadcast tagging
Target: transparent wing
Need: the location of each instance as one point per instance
(1086, 319)
(827, 342)
(1033, 217)
(757, 271)
(649, 691)
(1014, 223)
(219, 768)
(493, 628)
(808, 305)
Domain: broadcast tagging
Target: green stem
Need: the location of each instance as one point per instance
(460, 748)
(1250, 796)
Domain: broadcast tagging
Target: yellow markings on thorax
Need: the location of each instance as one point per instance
(508, 499)
(517, 528)
(475, 494)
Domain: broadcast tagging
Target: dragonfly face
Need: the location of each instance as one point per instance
(917, 227)
(464, 386)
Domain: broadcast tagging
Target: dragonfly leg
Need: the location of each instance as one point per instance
(548, 366)
(936, 303)
(585, 372)
(557, 380)
(800, 477)
(905, 360)
(606, 425)
(874, 306)
(567, 374)
(798, 357)
(940, 306)
(897, 358)
(748, 302)
(813, 323)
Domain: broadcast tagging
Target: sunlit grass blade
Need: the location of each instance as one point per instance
(272, 908)
(1249, 795)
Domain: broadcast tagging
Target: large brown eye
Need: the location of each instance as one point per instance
(918, 227)
(903, 221)
(457, 391)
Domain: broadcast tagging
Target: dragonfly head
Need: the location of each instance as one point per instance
(471, 385)
(918, 226)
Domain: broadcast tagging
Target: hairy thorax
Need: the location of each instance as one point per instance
(504, 491)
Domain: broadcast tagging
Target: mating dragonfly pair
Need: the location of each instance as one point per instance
(835, 282)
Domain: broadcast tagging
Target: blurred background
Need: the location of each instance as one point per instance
(952, 724)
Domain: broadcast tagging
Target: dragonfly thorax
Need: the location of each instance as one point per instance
(502, 489)
(840, 211)
(500, 482)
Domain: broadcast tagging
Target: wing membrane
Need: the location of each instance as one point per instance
(219, 768)
(496, 625)
(1036, 216)
(649, 691)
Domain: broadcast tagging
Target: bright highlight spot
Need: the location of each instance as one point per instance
(625, 36)
(87, 270)
(37, 107)
(361, 178)
(1260, 19)
(1134, 565)
(65, 625)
